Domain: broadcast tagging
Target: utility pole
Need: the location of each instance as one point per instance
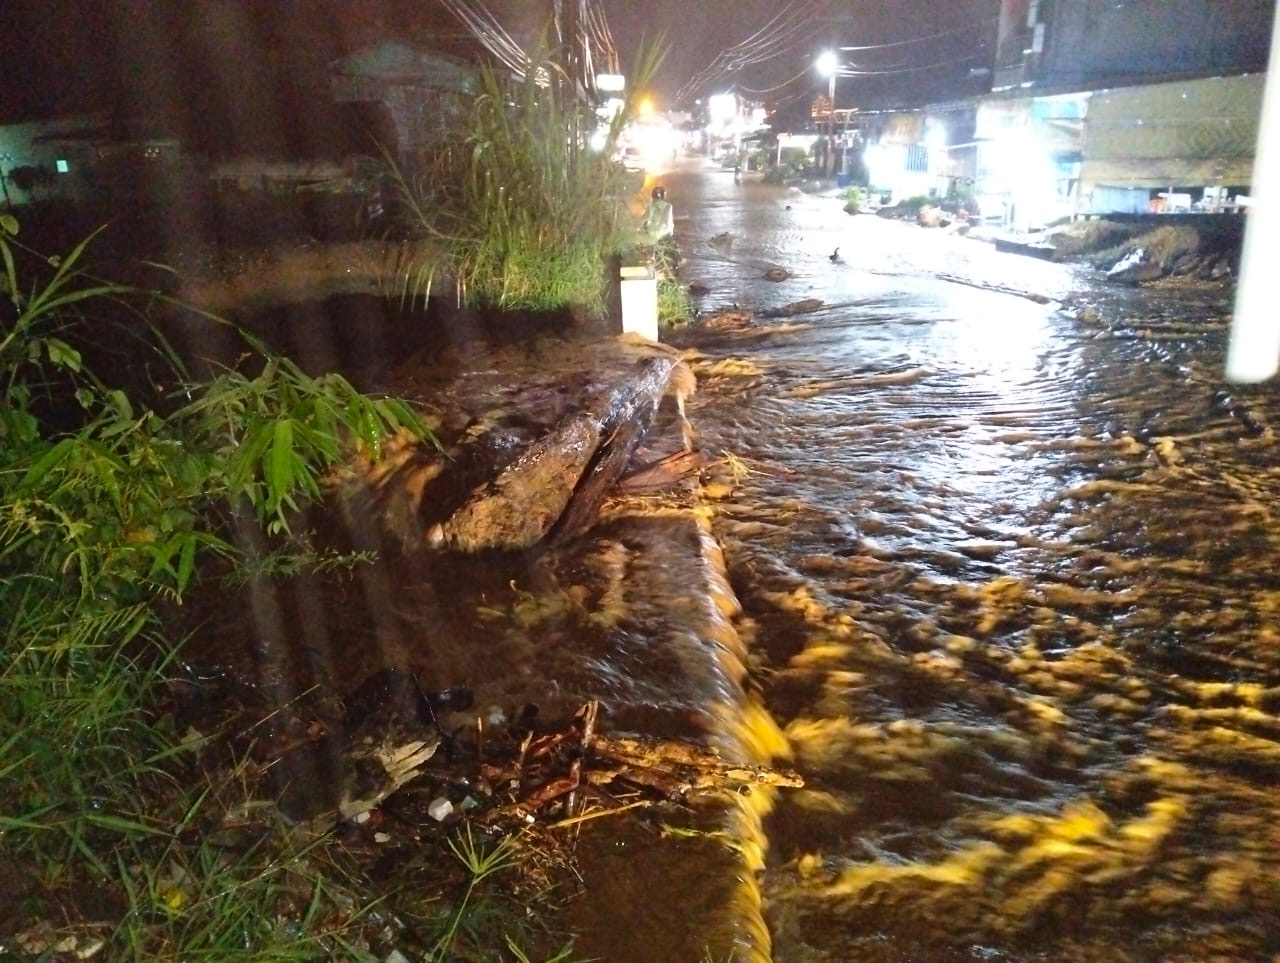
(831, 127)
(569, 19)
(829, 63)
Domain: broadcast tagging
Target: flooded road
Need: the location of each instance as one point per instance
(1010, 578)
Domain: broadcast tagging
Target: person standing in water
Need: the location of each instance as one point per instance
(658, 226)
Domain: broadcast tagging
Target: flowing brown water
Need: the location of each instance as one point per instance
(1009, 572)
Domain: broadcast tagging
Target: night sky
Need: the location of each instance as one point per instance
(228, 75)
(698, 29)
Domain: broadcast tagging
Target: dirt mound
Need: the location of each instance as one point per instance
(1138, 249)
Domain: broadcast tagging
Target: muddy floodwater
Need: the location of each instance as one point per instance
(1006, 547)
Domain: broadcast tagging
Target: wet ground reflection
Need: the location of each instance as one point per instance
(1008, 572)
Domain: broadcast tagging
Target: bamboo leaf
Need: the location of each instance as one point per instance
(282, 463)
(10, 269)
(51, 459)
(119, 824)
(161, 556)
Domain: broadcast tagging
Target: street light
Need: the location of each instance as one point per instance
(828, 65)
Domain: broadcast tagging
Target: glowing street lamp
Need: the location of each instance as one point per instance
(828, 65)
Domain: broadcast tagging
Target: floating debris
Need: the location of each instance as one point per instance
(804, 306)
(730, 320)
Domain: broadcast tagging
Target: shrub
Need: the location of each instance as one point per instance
(528, 213)
(103, 518)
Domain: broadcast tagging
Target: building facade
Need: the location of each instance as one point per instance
(1121, 106)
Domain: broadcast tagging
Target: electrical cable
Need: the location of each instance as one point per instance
(854, 71)
(791, 27)
(903, 43)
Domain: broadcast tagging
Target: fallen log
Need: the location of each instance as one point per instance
(520, 506)
(611, 461)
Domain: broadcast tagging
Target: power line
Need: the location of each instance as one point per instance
(486, 29)
(855, 71)
(791, 27)
(765, 91)
(903, 43)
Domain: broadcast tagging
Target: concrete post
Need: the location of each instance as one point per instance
(640, 300)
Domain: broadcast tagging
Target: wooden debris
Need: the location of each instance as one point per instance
(579, 761)
(612, 458)
(731, 320)
(519, 507)
(522, 776)
(664, 472)
(803, 306)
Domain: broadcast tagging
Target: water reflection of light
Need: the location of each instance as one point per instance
(990, 353)
(999, 344)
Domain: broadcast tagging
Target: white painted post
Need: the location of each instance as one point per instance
(640, 300)
(1255, 331)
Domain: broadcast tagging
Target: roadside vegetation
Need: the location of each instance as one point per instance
(126, 832)
(531, 217)
(123, 835)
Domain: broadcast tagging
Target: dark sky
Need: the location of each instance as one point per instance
(947, 31)
(248, 69)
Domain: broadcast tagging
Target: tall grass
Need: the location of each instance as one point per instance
(530, 215)
(105, 513)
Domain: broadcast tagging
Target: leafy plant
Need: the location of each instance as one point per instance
(270, 437)
(232, 896)
(854, 197)
(479, 864)
(106, 510)
(675, 306)
(527, 211)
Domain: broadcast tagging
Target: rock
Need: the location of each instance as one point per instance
(932, 217)
(776, 274)
(1135, 267)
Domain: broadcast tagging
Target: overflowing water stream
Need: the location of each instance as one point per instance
(1010, 580)
(1002, 541)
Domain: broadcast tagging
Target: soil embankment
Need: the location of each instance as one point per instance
(1129, 248)
(1139, 248)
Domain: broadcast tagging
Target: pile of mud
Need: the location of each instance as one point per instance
(1134, 250)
